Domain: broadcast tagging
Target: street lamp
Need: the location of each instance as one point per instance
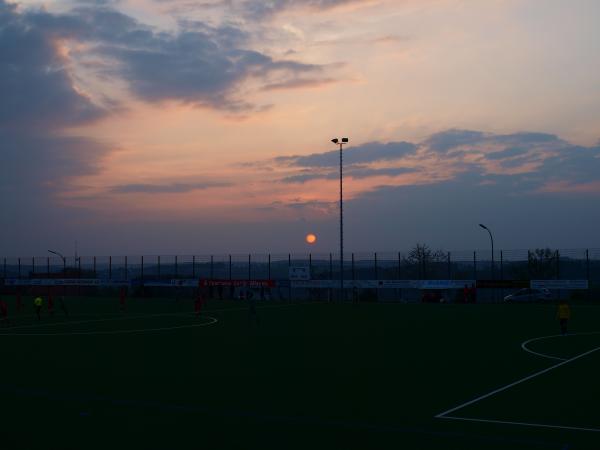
(341, 144)
(64, 260)
(492, 239)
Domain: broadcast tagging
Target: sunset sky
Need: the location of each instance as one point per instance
(179, 126)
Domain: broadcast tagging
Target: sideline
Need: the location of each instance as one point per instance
(446, 414)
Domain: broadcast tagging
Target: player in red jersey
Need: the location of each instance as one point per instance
(4, 313)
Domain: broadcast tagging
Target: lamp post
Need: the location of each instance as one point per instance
(64, 260)
(341, 144)
(491, 239)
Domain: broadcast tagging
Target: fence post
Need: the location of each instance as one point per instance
(176, 268)
(376, 276)
(48, 266)
(269, 267)
(330, 292)
(19, 266)
(475, 265)
(142, 268)
(159, 266)
(249, 266)
(33, 265)
(449, 267)
(587, 271)
(310, 265)
(400, 273)
(557, 265)
(110, 267)
(212, 267)
(126, 268)
(501, 275)
(289, 282)
(353, 279)
(193, 266)
(231, 290)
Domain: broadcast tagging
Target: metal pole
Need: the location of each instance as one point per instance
(110, 267)
(193, 266)
(33, 265)
(449, 267)
(48, 266)
(587, 271)
(95, 275)
(126, 268)
(341, 225)
(158, 267)
(212, 266)
(176, 266)
(353, 280)
(19, 263)
(142, 268)
(269, 266)
(249, 266)
(475, 265)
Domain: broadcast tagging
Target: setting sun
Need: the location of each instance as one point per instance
(311, 238)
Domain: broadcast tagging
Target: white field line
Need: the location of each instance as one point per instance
(129, 331)
(125, 317)
(528, 350)
(524, 424)
(508, 386)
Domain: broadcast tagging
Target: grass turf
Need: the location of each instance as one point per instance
(306, 376)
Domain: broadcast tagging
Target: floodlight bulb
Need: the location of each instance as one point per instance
(311, 238)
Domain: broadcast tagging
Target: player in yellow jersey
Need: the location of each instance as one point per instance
(563, 315)
(37, 303)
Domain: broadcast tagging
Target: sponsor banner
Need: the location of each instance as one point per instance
(299, 273)
(445, 284)
(559, 284)
(381, 284)
(502, 284)
(238, 283)
(63, 282)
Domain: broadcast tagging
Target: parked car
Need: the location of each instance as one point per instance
(528, 295)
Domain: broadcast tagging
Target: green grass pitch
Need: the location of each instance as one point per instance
(307, 376)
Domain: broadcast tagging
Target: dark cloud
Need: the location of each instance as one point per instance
(299, 84)
(263, 9)
(448, 140)
(366, 153)
(356, 172)
(172, 188)
(507, 153)
(35, 88)
(199, 63)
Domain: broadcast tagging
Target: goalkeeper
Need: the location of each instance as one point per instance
(563, 315)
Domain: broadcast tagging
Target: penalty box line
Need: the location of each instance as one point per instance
(446, 414)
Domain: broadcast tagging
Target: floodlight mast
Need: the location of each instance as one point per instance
(341, 144)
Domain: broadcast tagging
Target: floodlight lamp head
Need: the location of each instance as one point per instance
(335, 140)
(345, 140)
(483, 226)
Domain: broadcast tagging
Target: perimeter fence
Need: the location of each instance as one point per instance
(421, 263)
